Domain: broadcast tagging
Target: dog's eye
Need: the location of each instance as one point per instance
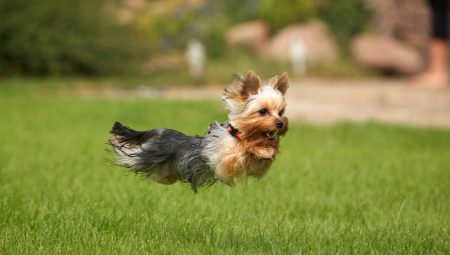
(281, 112)
(263, 111)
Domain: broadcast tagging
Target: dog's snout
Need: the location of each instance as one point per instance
(280, 124)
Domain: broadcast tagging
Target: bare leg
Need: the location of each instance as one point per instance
(436, 74)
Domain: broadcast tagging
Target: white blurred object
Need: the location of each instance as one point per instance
(298, 54)
(195, 56)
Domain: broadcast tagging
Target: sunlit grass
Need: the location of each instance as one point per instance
(339, 189)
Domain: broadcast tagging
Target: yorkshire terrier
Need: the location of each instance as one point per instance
(245, 145)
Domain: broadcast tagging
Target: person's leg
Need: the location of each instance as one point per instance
(436, 73)
(439, 10)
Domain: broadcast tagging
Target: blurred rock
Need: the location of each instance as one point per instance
(318, 42)
(253, 35)
(195, 57)
(406, 20)
(386, 53)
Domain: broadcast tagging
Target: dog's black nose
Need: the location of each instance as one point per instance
(279, 124)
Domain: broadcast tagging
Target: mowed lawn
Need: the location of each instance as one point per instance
(339, 189)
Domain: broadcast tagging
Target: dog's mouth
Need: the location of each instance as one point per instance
(271, 135)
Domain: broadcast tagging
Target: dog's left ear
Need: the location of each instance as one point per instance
(280, 83)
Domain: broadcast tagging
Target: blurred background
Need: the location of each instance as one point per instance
(366, 55)
(375, 179)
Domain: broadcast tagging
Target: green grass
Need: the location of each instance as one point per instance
(339, 189)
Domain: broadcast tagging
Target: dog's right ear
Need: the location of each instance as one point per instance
(251, 83)
(240, 88)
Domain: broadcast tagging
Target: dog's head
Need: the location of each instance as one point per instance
(257, 110)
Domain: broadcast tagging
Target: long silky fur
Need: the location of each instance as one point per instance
(162, 150)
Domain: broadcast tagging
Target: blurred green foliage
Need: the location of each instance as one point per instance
(89, 37)
(176, 24)
(60, 37)
(345, 19)
(284, 12)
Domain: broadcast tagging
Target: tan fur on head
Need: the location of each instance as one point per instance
(257, 111)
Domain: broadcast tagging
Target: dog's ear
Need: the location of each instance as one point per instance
(243, 87)
(280, 83)
(240, 88)
(251, 84)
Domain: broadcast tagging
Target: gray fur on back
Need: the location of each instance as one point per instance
(167, 148)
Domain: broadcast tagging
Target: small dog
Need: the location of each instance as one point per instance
(246, 145)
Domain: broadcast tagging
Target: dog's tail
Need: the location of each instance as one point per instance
(127, 146)
(125, 135)
(143, 152)
(163, 155)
